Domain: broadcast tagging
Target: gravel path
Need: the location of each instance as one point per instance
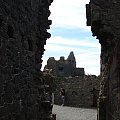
(72, 113)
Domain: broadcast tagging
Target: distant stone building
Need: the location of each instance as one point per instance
(64, 67)
(81, 90)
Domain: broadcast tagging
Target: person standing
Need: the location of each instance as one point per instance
(62, 94)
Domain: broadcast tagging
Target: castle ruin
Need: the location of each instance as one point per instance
(64, 67)
(23, 34)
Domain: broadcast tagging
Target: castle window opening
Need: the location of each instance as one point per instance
(60, 68)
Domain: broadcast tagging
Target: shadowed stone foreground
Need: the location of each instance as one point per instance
(23, 34)
(104, 18)
(72, 113)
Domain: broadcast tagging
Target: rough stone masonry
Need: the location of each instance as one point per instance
(23, 34)
(80, 91)
(104, 18)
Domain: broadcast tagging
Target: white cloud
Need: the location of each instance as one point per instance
(90, 61)
(72, 14)
(86, 42)
(87, 58)
(69, 13)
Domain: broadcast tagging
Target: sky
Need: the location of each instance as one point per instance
(70, 33)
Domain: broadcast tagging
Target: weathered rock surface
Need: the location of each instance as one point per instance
(104, 19)
(23, 34)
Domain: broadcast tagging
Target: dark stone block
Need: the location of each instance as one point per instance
(22, 24)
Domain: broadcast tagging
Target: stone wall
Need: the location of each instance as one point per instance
(23, 34)
(104, 19)
(80, 91)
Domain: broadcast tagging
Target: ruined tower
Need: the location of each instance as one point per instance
(23, 34)
(71, 59)
(64, 68)
(104, 18)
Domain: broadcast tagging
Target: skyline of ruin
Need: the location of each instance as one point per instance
(70, 33)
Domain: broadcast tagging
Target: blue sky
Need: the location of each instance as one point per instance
(70, 33)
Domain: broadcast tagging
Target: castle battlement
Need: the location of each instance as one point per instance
(64, 67)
